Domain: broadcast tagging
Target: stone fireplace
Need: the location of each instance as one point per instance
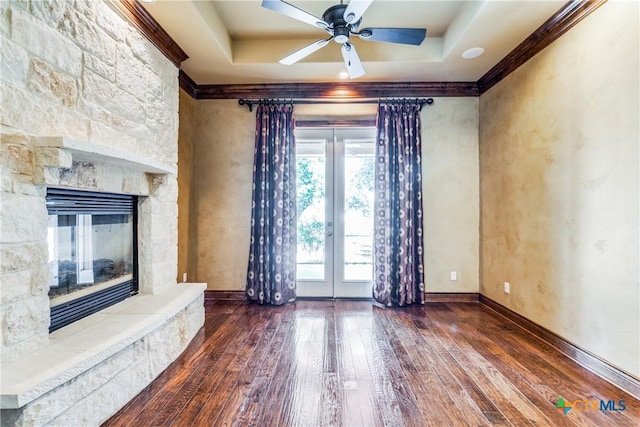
(86, 104)
(140, 335)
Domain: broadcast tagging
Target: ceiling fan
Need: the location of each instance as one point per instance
(342, 21)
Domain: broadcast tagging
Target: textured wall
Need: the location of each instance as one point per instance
(185, 185)
(560, 187)
(451, 194)
(222, 191)
(223, 168)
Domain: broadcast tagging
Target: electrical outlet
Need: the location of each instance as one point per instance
(184, 277)
(507, 287)
(454, 275)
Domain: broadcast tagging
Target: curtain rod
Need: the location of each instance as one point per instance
(251, 102)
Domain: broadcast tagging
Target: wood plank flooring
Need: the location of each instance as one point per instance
(353, 363)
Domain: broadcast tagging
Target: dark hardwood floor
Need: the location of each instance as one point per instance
(353, 363)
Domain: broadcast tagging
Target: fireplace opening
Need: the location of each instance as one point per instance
(92, 244)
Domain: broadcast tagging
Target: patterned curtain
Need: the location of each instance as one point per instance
(271, 275)
(398, 244)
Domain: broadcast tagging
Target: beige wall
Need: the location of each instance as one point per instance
(223, 171)
(451, 194)
(560, 187)
(223, 165)
(186, 131)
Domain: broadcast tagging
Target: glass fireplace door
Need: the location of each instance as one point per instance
(88, 253)
(92, 252)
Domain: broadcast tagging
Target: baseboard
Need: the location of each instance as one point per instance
(224, 295)
(333, 299)
(428, 297)
(450, 297)
(590, 361)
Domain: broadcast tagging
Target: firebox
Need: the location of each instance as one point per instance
(92, 245)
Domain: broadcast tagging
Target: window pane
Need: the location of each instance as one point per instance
(358, 210)
(310, 194)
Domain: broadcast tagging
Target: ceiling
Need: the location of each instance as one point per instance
(240, 42)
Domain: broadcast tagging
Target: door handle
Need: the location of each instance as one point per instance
(329, 233)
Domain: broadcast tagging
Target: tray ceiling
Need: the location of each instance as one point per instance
(240, 42)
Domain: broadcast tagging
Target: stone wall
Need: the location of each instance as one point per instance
(78, 70)
(86, 102)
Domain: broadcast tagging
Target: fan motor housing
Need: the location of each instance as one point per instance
(338, 26)
(341, 35)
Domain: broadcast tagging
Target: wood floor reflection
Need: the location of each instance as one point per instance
(352, 363)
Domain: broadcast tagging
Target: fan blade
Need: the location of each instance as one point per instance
(284, 8)
(355, 10)
(352, 61)
(304, 52)
(414, 36)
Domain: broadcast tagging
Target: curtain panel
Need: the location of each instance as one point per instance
(271, 274)
(398, 242)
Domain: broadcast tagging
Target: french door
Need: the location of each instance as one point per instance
(335, 211)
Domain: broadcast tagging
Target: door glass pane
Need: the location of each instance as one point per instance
(358, 209)
(310, 194)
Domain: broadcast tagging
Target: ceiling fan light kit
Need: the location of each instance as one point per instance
(342, 21)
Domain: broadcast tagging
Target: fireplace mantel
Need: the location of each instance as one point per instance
(62, 151)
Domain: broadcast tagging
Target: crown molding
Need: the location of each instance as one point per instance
(187, 84)
(340, 90)
(149, 27)
(561, 22)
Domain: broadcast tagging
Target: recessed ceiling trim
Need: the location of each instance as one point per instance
(216, 26)
(460, 23)
(264, 51)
